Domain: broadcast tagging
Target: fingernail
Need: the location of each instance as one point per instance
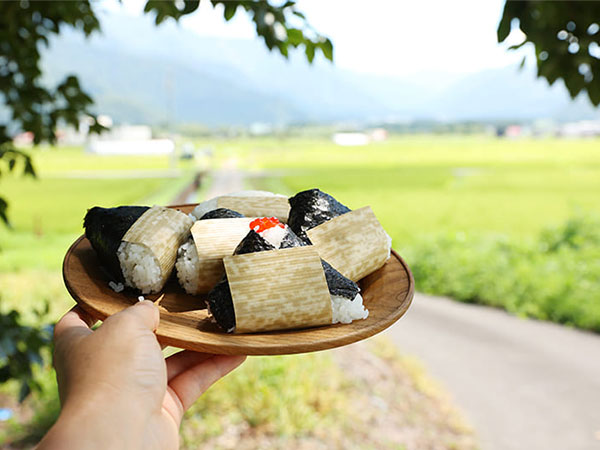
(147, 302)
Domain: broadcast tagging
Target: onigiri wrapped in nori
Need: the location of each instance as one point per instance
(311, 208)
(354, 242)
(269, 234)
(137, 244)
(188, 265)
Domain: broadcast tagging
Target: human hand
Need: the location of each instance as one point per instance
(117, 390)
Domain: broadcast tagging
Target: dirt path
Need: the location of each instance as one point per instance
(228, 178)
(523, 384)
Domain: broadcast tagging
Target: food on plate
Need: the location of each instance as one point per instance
(137, 244)
(200, 259)
(354, 242)
(293, 274)
(248, 203)
(311, 208)
(260, 273)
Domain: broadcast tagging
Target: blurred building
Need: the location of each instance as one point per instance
(128, 140)
(580, 129)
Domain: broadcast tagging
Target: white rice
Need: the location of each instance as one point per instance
(188, 272)
(211, 205)
(345, 310)
(274, 235)
(117, 287)
(204, 207)
(140, 268)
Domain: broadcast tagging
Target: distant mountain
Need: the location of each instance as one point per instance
(138, 72)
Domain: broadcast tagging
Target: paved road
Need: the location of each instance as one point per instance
(523, 384)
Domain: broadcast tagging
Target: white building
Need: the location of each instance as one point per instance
(129, 140)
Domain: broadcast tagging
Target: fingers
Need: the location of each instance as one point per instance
(191, 383)
(147, 313)
(182, 361)
(144, 313)
(76, 319)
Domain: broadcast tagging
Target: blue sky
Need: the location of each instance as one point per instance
(395, 38)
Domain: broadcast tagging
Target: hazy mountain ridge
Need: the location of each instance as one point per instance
(137, 72)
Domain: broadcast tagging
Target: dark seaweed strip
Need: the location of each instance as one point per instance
(105, 227)
(291, 239)
(252, 243)
(221, 213)
(311, 208)
(337, 283)
(220, 305)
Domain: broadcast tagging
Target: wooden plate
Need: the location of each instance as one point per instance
(387, 294)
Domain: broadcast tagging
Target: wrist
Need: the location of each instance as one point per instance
(91, 425)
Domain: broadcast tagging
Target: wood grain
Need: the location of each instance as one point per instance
(387, 293)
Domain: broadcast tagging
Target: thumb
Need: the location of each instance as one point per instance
(144, 313)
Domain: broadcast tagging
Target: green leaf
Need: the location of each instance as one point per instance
(504, 26)
(295, 36)
(593, 90)
(24, 391)
(283, 49)
(299, 14)
(310, 51)
(190, 6)
(327, 49)
(517, 46)
(230, 9)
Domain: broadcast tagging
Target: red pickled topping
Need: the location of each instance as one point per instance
(264, 223)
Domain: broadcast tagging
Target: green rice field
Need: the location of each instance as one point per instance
(423, 184)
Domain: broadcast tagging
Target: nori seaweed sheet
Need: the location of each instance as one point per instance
(337, 283)
(291, 239)
(252, 243)
(221, 213)
(220, 305)
(105, 227)
(311, 208)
